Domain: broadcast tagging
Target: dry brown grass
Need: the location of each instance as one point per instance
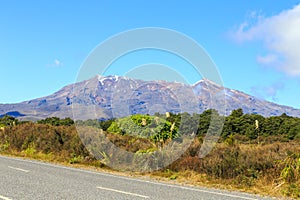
(236, 165)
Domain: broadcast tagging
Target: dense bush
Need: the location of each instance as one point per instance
(55, 121)
(59, 140)
(253, 126)
(144, 126)
(8, 121)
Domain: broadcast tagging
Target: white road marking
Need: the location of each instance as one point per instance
(226, 193)
(4, 198)
(19, 169)
(123, 192)
(182, 187)
(206, 191)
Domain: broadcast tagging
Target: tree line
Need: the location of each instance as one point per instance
(159, 126)
(171, 126)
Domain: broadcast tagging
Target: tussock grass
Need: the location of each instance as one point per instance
(269, 168)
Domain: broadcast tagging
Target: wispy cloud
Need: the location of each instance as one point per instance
(266, 92)
(267, 59)
(280, 35)
(55, 63)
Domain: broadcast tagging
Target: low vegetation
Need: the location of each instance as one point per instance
(254, 153)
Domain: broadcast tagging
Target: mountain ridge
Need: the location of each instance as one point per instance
(117, 96)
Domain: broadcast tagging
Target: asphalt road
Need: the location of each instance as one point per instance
(25, 179)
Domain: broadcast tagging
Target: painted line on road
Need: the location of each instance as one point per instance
(19, 169)
(133, 179)
(4, 198)
(123, 192)
(205, 191)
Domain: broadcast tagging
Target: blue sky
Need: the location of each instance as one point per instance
(255, 45)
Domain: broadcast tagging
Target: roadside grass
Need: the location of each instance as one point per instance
(262, 186)
(270, 168)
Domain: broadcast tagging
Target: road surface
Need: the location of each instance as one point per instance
(26, 179)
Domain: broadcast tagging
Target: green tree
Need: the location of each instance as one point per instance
(7, 120)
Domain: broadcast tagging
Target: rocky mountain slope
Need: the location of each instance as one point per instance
(113, 96)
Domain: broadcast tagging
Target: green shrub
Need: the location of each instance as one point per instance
(76, 159)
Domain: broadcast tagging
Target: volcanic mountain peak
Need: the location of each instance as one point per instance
(111, 96)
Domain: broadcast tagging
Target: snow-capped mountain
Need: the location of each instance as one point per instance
(113, 96)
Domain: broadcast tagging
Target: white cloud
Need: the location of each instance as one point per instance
(270, 91)
(280, 35)
(55, 63)
(266, 60)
